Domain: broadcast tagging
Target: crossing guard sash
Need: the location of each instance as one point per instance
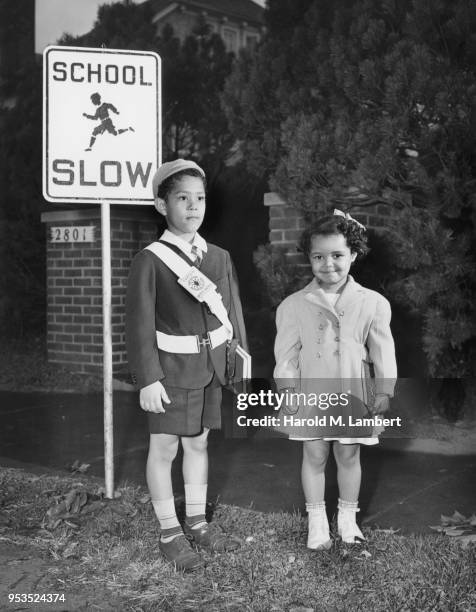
(194, 282)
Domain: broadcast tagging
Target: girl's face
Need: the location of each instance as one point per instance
(330, 259)
(184, 206)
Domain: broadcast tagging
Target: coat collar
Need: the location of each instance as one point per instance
(351, 293)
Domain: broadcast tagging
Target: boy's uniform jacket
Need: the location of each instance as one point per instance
(156, 302)
(316, 340)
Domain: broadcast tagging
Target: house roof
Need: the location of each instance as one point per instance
(244, 10)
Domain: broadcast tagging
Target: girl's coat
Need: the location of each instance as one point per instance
(316, 340)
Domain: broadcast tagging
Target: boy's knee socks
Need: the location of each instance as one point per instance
(195, 504)
(169, 526)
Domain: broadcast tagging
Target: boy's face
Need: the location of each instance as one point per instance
(330, 259)
(184, 207)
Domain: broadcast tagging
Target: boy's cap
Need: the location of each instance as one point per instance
(172, 167)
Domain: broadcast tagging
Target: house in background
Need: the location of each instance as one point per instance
(240, 23)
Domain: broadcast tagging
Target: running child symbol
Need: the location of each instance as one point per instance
(102, 114)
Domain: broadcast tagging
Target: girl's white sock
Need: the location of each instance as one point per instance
(318, 537)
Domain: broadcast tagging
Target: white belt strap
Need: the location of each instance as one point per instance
(194, 282)
(191, 344)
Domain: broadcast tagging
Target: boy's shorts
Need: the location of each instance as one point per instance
(189, 411)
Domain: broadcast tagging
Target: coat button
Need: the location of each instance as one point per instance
(318, 341)
(341, 313)
(336, 352)
(321, 326)
(337, 339)
(337, 324)
(318, 355)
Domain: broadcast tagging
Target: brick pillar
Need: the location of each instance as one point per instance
(286, 223)
(74, 285)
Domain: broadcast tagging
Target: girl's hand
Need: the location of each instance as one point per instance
(152, 396)
(382, 403)
(291, 406)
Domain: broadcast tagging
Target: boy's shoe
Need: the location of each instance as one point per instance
(212, 538)
(179, 552)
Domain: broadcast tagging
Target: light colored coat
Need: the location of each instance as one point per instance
(316, 340)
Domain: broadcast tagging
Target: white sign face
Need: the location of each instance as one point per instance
(101, 125)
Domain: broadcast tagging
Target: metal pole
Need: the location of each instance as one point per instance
(107, 348)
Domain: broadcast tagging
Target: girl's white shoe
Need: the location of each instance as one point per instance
(346, 524)
(318, 537)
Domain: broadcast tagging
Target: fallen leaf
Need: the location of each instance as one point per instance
(459, 527)
(457, 516)
(56, 509)
(466, 540)
(70, 550)
(93, 507)
(456, 519)
(453, 532)
(72, 525)
(365, 553)
(69, 499)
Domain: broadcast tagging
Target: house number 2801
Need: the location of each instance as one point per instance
(72, 234)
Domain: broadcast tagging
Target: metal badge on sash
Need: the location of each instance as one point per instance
(196, 283)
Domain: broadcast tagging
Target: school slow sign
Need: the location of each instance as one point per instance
(102, 132)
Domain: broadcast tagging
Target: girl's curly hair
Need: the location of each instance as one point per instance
(356, 236)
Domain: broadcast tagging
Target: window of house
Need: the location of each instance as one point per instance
(230, 38)
(251, 41)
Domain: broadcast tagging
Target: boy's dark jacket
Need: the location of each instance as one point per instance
(155, 301)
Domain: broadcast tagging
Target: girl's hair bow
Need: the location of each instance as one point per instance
(347, 217)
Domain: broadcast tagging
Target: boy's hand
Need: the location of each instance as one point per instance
(382, 403)
(152, 396)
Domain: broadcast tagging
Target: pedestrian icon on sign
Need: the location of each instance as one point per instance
(106, 125)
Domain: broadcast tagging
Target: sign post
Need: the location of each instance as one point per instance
(101, 144)
(107, 349)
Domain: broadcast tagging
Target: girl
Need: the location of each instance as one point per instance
(329, 330)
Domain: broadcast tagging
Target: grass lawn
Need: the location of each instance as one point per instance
(111, 548)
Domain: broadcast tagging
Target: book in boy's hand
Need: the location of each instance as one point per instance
(238, 367)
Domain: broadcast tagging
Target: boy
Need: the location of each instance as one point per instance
(177, 353)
